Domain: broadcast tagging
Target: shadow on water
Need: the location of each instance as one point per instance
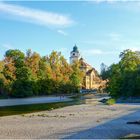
(23, 109)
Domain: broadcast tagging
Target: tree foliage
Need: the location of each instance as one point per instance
(23, 75)
(124, 77)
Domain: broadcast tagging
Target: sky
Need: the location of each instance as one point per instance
(101, 29)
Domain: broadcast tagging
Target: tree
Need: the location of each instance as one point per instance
(104, 71)
(23, 73)
(32, 61)
(42, 72)
(9, 70)
(2, 78)
(124, 77)
(27, 75)
(55, 63)
(114, 80)
(77, 75)
(16, 56)
(22, 88)
(129, 61)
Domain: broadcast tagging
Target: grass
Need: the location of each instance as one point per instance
(110, 101)
(131, 136)
(24, 109)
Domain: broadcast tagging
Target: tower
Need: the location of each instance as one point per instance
(74, 54)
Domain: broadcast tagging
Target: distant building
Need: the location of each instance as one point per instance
(91, 79)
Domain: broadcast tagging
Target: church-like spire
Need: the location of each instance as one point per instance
(75, 48)
(74, 55)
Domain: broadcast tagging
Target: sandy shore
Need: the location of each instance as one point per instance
(79, 121)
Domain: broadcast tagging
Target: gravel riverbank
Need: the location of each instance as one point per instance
(78, 121)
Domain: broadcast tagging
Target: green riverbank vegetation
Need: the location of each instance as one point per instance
(124, 77)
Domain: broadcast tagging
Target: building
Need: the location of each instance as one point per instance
(74, 55)
(91, 79)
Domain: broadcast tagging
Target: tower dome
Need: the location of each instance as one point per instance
(75, 48)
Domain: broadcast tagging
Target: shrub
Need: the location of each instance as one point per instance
(47, 87)
(110, 101)
(22, 88)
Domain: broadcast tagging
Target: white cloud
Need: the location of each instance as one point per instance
(93, 51)
(90, 52)
(63, 50)
(102, 1)
(127, 5)
(36, 16)
(133, 48)
(7, 46)
(107, 38)
(115, 36)
(94, 42)
(108, 1)
(62, 32)
(90, 42)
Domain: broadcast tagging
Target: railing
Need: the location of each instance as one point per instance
(84, 91)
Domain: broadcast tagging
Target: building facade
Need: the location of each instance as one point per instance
(91, 79)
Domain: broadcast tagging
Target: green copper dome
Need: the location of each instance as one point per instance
(75, 49)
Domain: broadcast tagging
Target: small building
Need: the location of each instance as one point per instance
(91, 79)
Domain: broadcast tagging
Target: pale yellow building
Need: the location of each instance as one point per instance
(91, 79)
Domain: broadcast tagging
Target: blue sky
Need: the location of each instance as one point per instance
(101, 28)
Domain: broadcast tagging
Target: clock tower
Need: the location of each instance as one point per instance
(74, 54)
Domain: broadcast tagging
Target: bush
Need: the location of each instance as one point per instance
(110, 101)
(22, 88)
(1, 86)
(66, 88)
(46, 87)
(35, 87)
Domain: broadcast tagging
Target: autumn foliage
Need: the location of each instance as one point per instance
(23, 75)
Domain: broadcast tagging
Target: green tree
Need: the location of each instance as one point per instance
(124, 76)
(22, 88)
(104, 71)
(129, 61)
(17, 56)
(77, 75)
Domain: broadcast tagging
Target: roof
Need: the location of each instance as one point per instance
(75, 49)
(92, 70)
(83, 63)
(89, 71)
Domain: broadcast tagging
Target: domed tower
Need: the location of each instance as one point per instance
(74, 54)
